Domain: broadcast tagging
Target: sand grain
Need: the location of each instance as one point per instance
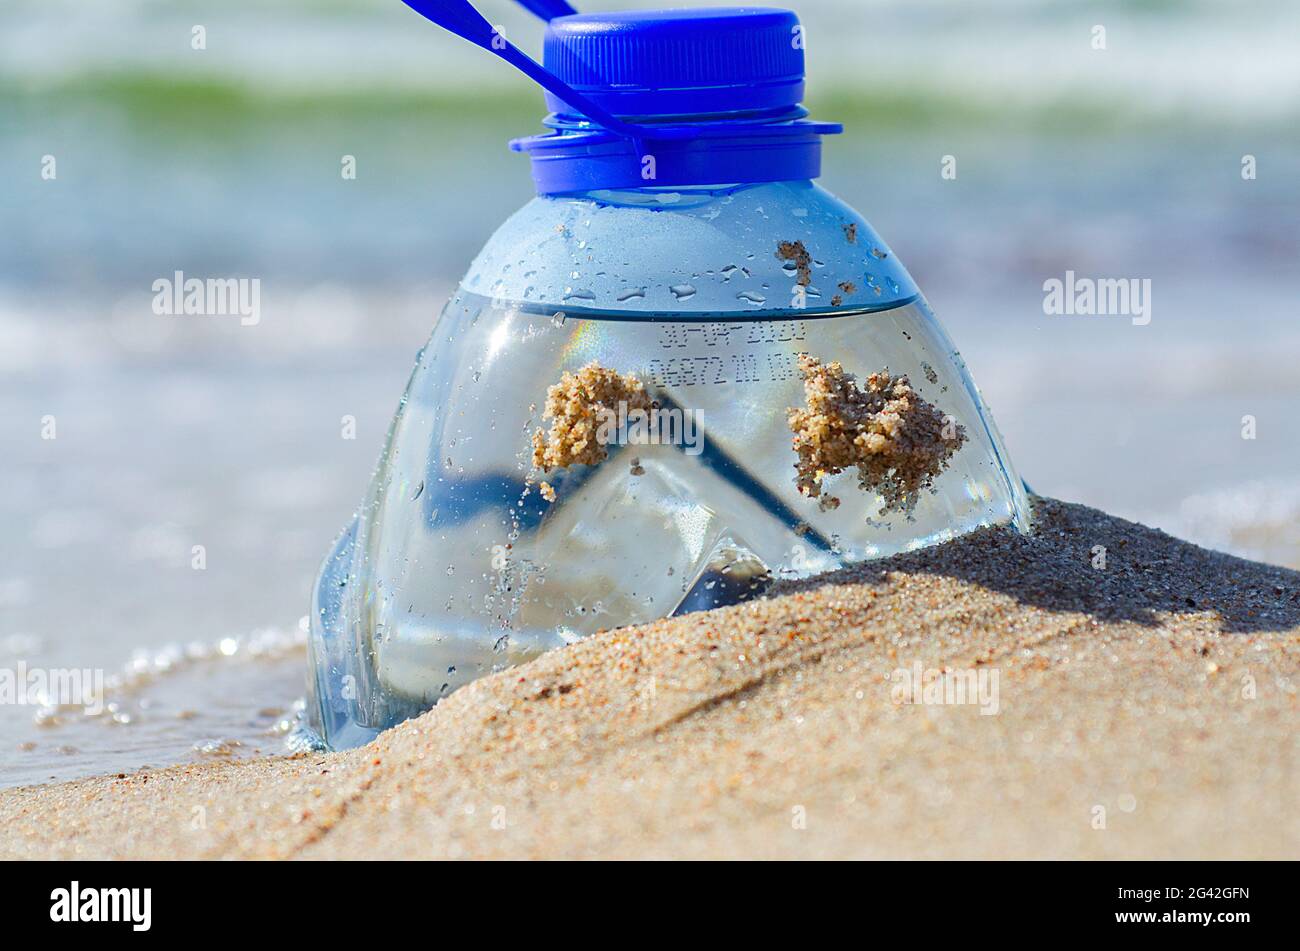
(769, 729)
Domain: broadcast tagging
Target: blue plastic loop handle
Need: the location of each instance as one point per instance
(460, 17)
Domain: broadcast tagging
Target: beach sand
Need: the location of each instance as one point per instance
(1144, 709)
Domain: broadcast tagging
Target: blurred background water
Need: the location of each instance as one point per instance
(226, 161)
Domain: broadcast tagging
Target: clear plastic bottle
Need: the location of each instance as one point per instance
(456, 565)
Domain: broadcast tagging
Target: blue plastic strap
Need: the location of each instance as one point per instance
(460, 17)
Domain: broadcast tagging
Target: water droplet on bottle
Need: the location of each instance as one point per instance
(683, 291)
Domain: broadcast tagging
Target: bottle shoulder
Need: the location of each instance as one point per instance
(774, 247)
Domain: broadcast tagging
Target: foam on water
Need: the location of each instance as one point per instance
(228, 699)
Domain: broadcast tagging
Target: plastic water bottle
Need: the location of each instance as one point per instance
(688, 248)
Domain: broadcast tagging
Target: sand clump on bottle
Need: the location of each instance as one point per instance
(898, 441)
(798, 256)
(578, 409)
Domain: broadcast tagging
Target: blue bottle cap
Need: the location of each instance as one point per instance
(666, 98)
(713, 96)
(650, 63)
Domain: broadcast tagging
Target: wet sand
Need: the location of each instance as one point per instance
(1143, 709)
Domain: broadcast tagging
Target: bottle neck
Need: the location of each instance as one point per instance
(678, 152)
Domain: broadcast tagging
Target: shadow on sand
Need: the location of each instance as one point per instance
(1147, 574)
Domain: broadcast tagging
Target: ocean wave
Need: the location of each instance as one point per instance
(1026, 59)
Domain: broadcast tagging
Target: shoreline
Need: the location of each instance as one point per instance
(1143, 710)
